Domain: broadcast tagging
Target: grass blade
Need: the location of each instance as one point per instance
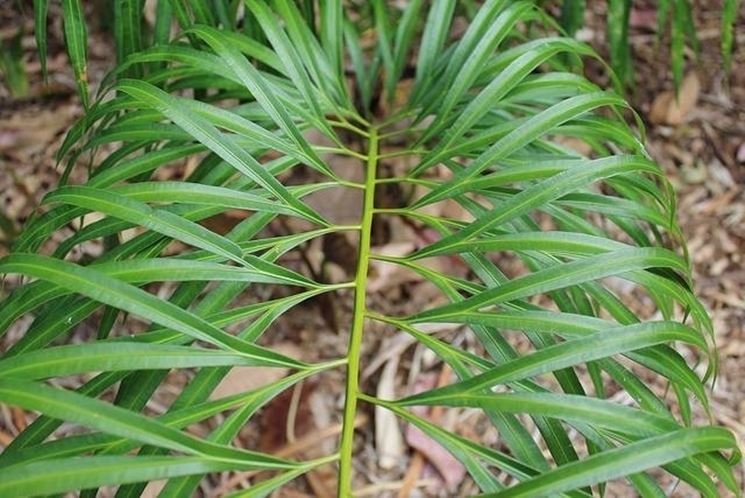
(128, 32)
(41, 9)
(76, 41)
(729, 16)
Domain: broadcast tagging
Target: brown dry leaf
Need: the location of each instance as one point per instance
(242, 379)
(451, 470)
(694, 174)
(741, 153)
(340, 205)
(19, 418)
(643, 18)
(322, 481)
(23, 135)
(386, 275)
(447, 208)
(149, 11)
(666, 109)
(390, 347)
(286, 492)
(400, 97)
(288, 416)
(291, 417)
(224, 222)
(389, 442)
(153, 489)
(575, 144)
(5, 438)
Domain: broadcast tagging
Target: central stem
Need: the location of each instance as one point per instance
(358, 322)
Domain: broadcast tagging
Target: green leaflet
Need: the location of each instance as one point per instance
(562, 276)
(623, 461)
(76, 39)
(618, 38)
(209, 136)
(439, 17)
(69, 360)
(177, 418)
(120, 422)
(41, 8)
(573, 15)
(729, 14)
(128, 31)
(164, 222)
(116, 293)
(65, 474)
(566, 354)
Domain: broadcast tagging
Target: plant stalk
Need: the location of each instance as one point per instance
(358, 322)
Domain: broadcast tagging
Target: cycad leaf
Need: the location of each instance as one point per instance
(127, 209)
(531, 206)
(210, 137)
(256, 84)
(566, 354)
(96, 414)
(113, 292)
(65, 474)
(69, 360)
(622, 461)
(41, 9)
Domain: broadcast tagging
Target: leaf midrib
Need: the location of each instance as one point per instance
(358, 320)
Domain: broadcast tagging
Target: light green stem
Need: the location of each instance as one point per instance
(358, 322)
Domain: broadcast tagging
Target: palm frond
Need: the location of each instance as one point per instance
(541, 164)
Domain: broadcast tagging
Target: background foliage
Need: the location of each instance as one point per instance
(674, 17)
